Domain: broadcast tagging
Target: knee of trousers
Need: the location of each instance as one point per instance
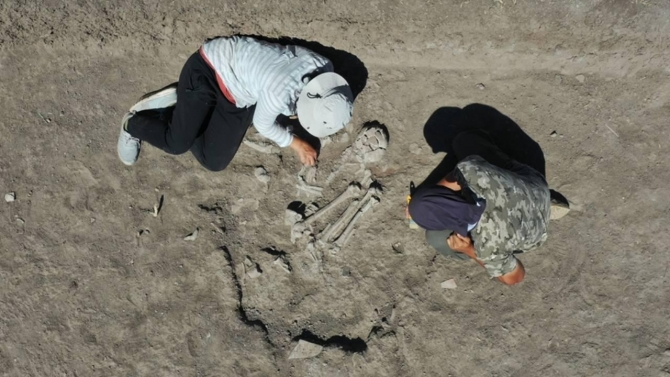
(177, 149)
(436, 239)
(215, 166)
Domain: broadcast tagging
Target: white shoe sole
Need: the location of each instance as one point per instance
(159, 99)
(118, 144)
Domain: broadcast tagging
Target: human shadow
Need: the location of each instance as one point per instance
(447, 122)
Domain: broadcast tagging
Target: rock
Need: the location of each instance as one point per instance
(414, 148)
(305, 350)
(283, 263)
(251, 268)
(558, 210)
(398, 248)
(481, 86)
(193, 236)
(262, 175)
(218, 229)
(10, 197)
(553, 134)
(449, 284)
(20, 221)
(580, 78)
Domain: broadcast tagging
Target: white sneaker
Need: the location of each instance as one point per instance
(159, 99)
(128, 147)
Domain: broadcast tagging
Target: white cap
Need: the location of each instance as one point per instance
(325, 104)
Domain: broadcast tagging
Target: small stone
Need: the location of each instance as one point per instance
(481, 86)
(305, 350)
(398, 248)
(218, 229)
(449, 284)
(414, 148)
(193, 236)
(262, 175)
(283, 263)
(10, 197)
(580, 78)
(553, 134)
(558, 210)
(20, 221)
(252, 269)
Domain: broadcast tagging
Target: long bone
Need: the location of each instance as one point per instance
(348, 231)
(334, 229)
(352, 191)
(350, 213)
(307, 188)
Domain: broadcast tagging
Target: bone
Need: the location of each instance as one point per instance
(308, 174)
(341, 162)
(328, 234)
(348, 231)
(291, 217)
(307, 188)
(262, 147)
(298, 230)
(352, 191)
(324, 231)
(371, 144)
(351, 212)
(367, 178)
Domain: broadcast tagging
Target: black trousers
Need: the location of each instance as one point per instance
(203, 120)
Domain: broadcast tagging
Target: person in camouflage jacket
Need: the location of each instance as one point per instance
(489, 208)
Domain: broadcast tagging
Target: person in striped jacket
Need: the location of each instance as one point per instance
(230, 83)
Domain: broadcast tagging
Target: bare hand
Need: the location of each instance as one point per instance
(305, 151)
(461, 244)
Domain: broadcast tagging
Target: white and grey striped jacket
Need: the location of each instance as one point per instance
(267, 75)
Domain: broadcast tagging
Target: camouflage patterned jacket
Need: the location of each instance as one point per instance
(516, 215)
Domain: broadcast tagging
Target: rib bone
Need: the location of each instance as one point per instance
(352, 191)
(342, 240)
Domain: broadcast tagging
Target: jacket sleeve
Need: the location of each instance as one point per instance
(265, 121)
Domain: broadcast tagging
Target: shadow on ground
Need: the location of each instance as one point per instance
(447, 122)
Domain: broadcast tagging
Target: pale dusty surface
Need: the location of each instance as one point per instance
(92, 284)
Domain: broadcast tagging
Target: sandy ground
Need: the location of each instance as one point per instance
(81, 294)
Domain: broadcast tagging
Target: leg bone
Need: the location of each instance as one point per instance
(348, 231)
(328, 234)
(352, 191)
